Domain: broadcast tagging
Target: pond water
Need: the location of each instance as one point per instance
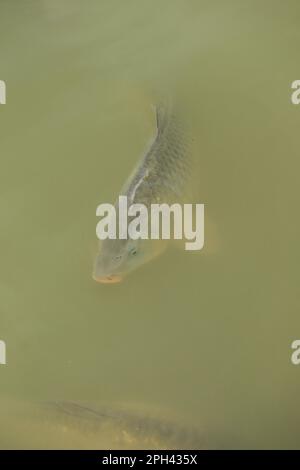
(206, 336)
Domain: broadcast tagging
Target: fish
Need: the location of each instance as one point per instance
(63, 424)
(126, 427)
(161, 176)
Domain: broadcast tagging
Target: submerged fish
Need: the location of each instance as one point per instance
(161, 176)
(126, 427)
(71, 425)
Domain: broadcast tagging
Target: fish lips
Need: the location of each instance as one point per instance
(112, 279)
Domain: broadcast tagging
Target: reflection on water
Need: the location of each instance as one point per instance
(206, 335)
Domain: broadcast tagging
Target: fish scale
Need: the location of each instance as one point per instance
(163, 173)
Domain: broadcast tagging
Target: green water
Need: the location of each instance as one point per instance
(205, 336)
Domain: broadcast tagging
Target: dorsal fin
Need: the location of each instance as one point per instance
(161, 117)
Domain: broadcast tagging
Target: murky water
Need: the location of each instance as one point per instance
(206, 337)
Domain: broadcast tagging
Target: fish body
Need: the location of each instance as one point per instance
(161, 176)
(162, 173)
(80, 425)
(125, 427)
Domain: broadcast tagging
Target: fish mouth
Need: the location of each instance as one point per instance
(113, 279)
